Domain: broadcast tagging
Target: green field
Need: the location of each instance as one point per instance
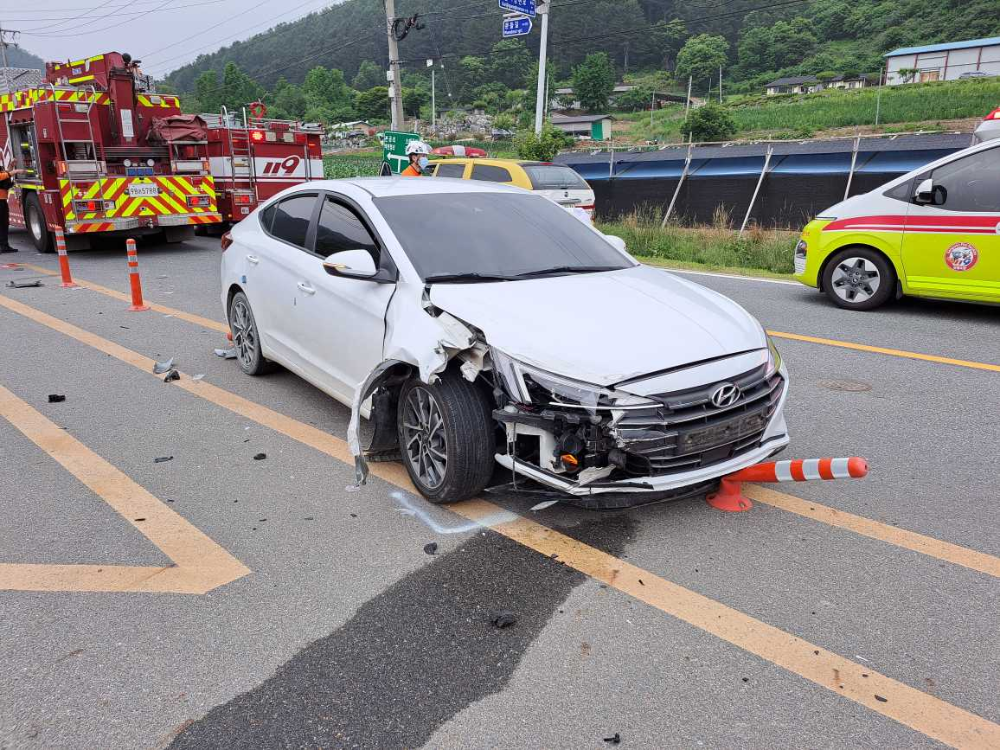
(920, 106)
(352, 165)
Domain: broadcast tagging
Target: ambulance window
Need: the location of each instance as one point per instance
(902, 192)
(972, 183)
(291, 221)
(340, 229)
(450, 170)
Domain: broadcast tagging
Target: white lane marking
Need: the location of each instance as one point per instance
(728, 276)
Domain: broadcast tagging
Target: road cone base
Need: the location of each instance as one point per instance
(138, 308)
(729, 498)
(68, 285)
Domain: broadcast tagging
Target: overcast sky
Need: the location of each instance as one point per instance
(164, 34)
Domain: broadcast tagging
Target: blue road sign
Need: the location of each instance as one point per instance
(516, 26)
(527, 7)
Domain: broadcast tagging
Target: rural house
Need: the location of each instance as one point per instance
(943, 62)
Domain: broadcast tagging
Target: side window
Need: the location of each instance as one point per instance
(971, 183)
(267, 216)
(490, 173)
(450, 170)
(902, 192)
(339, 229)
(291, 220)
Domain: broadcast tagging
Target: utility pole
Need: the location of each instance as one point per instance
(395, 85)
(878, 97)
(652, 106)
(720, 84)
(543, 11)
(430, 64)
(687, 104)
(4, 33)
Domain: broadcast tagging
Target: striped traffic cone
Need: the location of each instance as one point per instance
(67, 279)
(730, 496)
(133, 277)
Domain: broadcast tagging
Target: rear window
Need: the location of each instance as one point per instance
(450, 170)
(555, 177)
(490, 173)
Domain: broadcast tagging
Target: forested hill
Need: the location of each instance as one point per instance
(20, 58)
(764, 38)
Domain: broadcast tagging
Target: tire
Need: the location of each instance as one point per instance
(859, 278)
(246, 338)
(448, 447)
(34, 221)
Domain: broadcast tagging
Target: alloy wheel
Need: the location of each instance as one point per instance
(426, 447)
(855, 280)
(244, 333)
(35, 223)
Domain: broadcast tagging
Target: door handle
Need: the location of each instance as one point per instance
(253, 259)
(306, 288)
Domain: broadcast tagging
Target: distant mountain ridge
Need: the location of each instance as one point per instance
(21, 58)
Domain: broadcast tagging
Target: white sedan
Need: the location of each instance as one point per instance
(477, 324)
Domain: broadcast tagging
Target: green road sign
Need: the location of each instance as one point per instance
(394, 149)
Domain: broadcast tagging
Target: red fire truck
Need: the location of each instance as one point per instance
(255, 158)
(104, 155)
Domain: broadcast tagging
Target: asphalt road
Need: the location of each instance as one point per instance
(217, 601)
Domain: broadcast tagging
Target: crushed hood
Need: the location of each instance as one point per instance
(603, 328)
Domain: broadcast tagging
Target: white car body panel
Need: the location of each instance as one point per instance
(340, 334)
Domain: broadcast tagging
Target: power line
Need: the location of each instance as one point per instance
(106, 28)
(133, 13)
(73, 18)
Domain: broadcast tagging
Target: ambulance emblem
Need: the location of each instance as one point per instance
(961, 256)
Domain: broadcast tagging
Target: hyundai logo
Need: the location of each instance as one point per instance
(725, 395)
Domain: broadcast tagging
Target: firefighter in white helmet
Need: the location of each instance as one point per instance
(418, 151)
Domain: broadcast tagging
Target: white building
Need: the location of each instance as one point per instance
(944, 62)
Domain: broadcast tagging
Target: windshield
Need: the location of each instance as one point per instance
(553, 177)
(495, 236)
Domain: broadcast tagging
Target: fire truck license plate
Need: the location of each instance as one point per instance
(143, 191)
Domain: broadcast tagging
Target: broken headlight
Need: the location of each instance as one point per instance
(530, 385)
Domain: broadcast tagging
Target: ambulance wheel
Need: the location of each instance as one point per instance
(34, 219)
(859, 278)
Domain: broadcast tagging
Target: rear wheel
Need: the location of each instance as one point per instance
(34, 219)
(446, 438)
(246, 338)
(859, 278)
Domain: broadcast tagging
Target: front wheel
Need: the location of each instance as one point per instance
(246, 337)
(38, 228)
(446, 438)
(859, 278)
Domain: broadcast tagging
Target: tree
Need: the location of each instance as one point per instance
(709, 123)
(291, 102)
(238, 89)
(701, 57)
(544, 147)
(413, 99)
(207, 91)
(373, 104)
(667, 39)
(754, 51)
(639, 98)
(593, 81)
(508, 61)
(908, 74)
(368, 77)
(326, 88)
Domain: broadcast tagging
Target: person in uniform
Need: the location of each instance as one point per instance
(7, 174)
(419, 153)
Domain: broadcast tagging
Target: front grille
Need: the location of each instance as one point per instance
(688, 432)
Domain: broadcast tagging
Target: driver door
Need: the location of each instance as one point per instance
(951, 241)
(340, 321)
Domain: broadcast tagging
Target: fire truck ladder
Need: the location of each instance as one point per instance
(245, 154)
(86, 169)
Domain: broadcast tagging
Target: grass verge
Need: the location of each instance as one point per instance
(717, 247)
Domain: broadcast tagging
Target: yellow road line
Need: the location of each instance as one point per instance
(199, 564)
(925, 545)
(215, 325)
(920, 711)
(890, 352)
(189, 317)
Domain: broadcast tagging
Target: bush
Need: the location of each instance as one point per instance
(709, 123)
(543, 147)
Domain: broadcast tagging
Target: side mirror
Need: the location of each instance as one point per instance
(617, 242)
(352, 264)
(924, 194)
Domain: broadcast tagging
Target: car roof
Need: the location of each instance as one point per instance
(381, 187)
(478, 160)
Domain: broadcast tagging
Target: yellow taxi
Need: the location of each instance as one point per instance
(555, 181)
(934, 232)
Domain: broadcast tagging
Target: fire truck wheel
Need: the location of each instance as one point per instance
(37, 227)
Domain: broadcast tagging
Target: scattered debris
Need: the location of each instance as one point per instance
(162, 459)
(746, 679)
(544, 504)
(125, 327)
(503, 619)
(641, 583)
(23, 284)
(354, 515)
(431, 548)
(880, 699)
(138, 519)
(199, 376)
(55, 398)
(161, 367)
(308, 518)
(171, 376)
(229, 353)
(616, 740)
(260, 457)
